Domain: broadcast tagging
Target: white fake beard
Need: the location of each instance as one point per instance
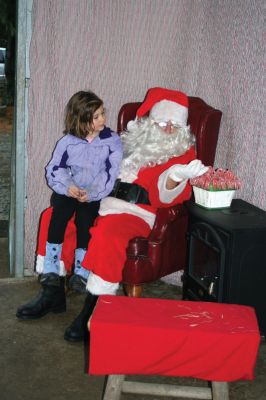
(145, 144)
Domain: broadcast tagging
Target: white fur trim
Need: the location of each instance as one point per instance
(97, 286)
(62, 270)
(112, 205)
(40, 266)
(168, 195)
(167, 110)
(175, 278)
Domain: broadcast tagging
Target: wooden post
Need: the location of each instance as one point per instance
(114, 387)
(133, 290)
(220, 390)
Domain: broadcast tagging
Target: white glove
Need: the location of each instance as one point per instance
(181, 172)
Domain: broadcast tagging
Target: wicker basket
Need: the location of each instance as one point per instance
(213, 199)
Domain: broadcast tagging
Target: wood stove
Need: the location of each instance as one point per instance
(226, 258)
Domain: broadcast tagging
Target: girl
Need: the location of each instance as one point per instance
(83, 169)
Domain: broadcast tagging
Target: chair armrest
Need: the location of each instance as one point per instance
(139, 246)
(164, 217)
(149, 258)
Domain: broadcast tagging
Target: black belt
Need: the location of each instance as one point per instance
(131, 192)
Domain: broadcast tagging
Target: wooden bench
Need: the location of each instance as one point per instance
(135, 336)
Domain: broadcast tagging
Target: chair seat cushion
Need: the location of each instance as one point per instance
(211, 341)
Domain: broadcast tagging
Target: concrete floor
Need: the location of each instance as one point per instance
(37, 364)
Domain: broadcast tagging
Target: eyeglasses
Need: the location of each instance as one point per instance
(163, 124)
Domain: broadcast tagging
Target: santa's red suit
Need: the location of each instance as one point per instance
(119, 221)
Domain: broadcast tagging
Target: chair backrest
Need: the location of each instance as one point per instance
(203, 119)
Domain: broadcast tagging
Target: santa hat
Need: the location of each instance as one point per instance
(165, 105)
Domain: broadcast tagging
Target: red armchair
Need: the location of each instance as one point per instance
(164, 251)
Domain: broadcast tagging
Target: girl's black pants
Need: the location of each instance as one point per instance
(64, 208)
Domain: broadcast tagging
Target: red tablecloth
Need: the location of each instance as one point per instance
(211, 341)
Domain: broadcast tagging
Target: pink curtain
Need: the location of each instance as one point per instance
(120, 48)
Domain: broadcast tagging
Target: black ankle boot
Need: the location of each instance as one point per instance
(78, 330)
(50, 299)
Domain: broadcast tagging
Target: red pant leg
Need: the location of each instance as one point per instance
(43, 230)
(106, 253)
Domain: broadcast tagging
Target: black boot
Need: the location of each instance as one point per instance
(50, 299)
(78, 330)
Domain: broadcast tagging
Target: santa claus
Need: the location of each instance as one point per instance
(159, 159)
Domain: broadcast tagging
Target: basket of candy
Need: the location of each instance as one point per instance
(215, 189)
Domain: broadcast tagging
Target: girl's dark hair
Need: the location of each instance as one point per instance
(79, 112)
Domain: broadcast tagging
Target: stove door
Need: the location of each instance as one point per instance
(203, 279)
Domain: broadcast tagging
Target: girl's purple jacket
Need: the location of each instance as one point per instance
(93, 166)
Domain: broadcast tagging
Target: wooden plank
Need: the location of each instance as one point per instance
(167, 390)
(116, 384)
